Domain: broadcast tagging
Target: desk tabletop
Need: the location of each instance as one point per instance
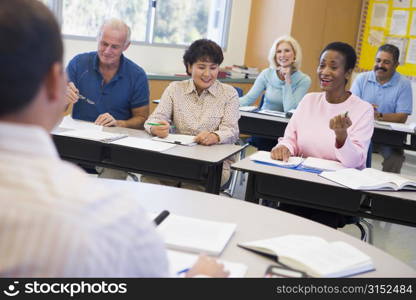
(254, 222)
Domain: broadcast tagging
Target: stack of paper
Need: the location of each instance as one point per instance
(94, 135)
(179, 261)
(195, 235)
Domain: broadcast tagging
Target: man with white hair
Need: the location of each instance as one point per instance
(106, 87)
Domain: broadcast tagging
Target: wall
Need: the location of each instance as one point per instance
(166, 60)
(269, 19)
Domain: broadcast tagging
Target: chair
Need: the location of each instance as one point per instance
(366, 236)
(239, 91)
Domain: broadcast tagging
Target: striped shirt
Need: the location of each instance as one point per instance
(56, 221)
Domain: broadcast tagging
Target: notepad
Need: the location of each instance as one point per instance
(94, 135)
(314, 255)
(369, 179)
(298, 163)
(179, 139)
(146, 144)
(195, 235)
(411, 127)
(180, 260)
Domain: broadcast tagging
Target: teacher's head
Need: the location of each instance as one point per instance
(32, 80)
(336, 63)
(202, 61)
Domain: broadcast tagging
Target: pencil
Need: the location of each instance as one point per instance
(158, 124)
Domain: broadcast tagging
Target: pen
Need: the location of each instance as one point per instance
(182, 271)
(346, 114)
(159, 219)
(158, 124)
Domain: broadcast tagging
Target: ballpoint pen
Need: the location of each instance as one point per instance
(158, 124)
(86, 99)
(182, 271)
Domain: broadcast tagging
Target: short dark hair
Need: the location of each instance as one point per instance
(393, 50)
(346, 50)
(30, 42)
(205, 50)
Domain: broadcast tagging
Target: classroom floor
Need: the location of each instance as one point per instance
(397, 240)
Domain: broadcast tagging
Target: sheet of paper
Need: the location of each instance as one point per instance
(375, 37)
(180, 139)
(248, 108)
(69, 123)
(146, 144)
(379, 15)
(401, 3)
(94, 135)
(399, 20)
(264, 156)
(411, 51)
(179, 261)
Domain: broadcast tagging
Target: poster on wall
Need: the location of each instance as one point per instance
(399, 20)
(401, 3)
(379, 16)
(411, 52)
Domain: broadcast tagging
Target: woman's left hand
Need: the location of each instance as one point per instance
(339, 124)
(206, 138)
(286, 74)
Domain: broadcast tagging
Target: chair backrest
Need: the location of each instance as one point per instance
(369, 155)
(239, 91)
(261, 101)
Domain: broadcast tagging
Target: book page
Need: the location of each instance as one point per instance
(146, 144)
(322, 164)
(381, 176)
(264, 157)
(94, 135)
(195, 235)
(180, 139)
(179, 261)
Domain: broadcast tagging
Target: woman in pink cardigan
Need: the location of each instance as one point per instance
(333, 124)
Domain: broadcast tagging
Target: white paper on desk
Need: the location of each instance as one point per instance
(94, 135)
(195, 235)
(179, 261)
(179, 139)
(275, 113)
(69, 123)
(264, 157)
(399, 126)
(146, 144)
(248, 108)
(322, 164)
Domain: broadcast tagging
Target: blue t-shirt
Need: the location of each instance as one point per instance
(395, 96)
(128, 88)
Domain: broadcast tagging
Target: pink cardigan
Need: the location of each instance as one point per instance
(308, 132)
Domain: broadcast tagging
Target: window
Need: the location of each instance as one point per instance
(166, 22)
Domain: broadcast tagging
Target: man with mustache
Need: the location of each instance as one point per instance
(390, 93)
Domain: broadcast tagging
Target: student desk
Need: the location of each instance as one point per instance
(273, 127)
(198, 164)
(311, 190)
(254, 222)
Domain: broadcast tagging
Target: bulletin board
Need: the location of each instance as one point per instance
(388, 21)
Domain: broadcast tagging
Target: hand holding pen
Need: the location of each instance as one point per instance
(160, 129)
(377, 115)
(339, 124)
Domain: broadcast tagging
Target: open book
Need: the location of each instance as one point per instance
(296, 162)
(180, 139)
(369, 179)
(93, 134)
(411, 127)
(314, 255)
(195, 235)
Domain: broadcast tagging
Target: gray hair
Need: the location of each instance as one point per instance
(116, 24)
(296, 49)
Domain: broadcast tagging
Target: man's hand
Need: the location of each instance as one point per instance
(106, 120)
(72, 93)
(161, 131)
(339, 124)
(207, 138)
(207, 266)
(280, 152)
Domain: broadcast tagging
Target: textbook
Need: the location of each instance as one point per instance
(195, 235)
(370, 179)
(298, 163)
(314, 255)
(180, 139)
(411, 127)
(94, 135)
(181, 261)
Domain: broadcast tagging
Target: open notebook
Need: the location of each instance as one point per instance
(369, 179)
(298, 163)
(314, 255)
(195, 235)
(179, 139)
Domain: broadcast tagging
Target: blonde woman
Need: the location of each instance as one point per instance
(284, 84)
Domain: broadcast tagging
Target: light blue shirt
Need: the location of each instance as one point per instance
(279, 95)
(395, 96)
